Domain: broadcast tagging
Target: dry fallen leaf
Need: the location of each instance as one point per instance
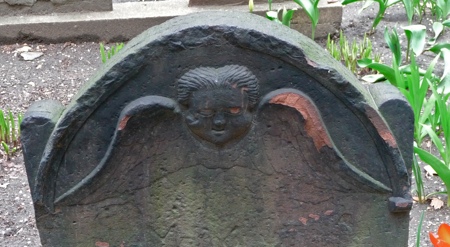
(429, 171)
(436, 203)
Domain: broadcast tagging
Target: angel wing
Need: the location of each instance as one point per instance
(297, 132)
(139, 123)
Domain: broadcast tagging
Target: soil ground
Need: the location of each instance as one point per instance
(63, 68)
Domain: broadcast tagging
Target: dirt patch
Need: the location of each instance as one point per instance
(63, 68)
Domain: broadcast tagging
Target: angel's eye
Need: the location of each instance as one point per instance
(206, 112)
(234, 110)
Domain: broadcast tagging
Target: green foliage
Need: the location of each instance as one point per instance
(312, 10)
(107, 54)
(286, 15)
(420, 191)
(309, 6)
(419, 229)
(443, 9)
(431, 113)
(383, 5)
(438, 8)
(349, 54)
(9, 133)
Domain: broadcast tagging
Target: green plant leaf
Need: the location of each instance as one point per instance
(272, 15)
(437, 47)
(446, 23)
(416, 35)
(374, 78)
(444, 6)
(311, 9)
(441, 169)
(419, 229)
(345, 2)
(394, 44)
(409, 8)
(102, 53)
(437, 28)
(387, 71)
(6, 148)
(445, 79)
(287, 16)
(435, 139)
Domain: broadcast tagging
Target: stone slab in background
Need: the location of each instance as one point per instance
(41, 7)
(222, 2)
(140, 158)
(127, 20)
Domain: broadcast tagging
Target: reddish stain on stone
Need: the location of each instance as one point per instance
(328, 212)
(402, 204)
(101, 244)
(381, 127)
(303, 220)
(310, 62)
(314, 216)
(123, 122)
(313, 124)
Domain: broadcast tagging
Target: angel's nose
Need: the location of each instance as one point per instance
(219, 121)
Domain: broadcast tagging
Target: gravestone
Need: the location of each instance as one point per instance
(221, 132)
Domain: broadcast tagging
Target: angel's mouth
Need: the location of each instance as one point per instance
(218, 132)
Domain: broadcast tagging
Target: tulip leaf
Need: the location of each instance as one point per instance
(446, 23)
(416, 35)
(287, 16)
(387, 71)
(437, 47)
(311, 9)
(438, 165)
(345, 2)
(272, 15)
(394, 44)
(444, 84)
(374, 78)
(437, 28)
(409, 7)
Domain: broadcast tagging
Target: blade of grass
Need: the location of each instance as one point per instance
(419, 229)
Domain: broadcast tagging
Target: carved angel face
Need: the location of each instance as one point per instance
(219, 115)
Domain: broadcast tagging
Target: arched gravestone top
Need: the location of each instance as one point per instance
(297, 112)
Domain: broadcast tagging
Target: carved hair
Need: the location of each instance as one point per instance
(230, 76)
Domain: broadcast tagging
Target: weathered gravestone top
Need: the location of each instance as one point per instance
(222, 132)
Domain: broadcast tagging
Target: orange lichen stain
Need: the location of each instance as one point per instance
(313, 124)
(381, 127)
(123, 122)
(314, 216)
(328, 212)
(303, 220)
(101, 244)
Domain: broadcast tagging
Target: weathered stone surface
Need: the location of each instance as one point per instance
(21, 2)
(223, 132)
(43, 7)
